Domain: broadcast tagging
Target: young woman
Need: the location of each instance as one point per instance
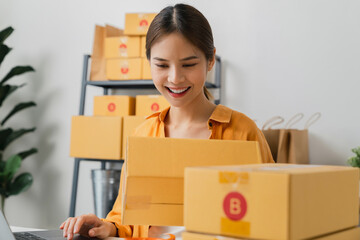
(180, 49)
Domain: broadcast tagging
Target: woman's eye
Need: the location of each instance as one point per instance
(189, 65)
(161, 65)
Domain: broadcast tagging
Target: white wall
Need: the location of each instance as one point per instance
(280, 58)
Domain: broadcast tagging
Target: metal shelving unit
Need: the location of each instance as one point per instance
(127, 84)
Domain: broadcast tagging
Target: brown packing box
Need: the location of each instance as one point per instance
(138, 23)
(154, 170)
(271, 201)
(96, 137)
(146, 71)
(130, 123)
(347, 234)
(98, 62)
(143, 47)
(149, 104)
(122, 47)
(114, 105)
(123, 69)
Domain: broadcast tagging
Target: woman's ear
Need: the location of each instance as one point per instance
(211, 63)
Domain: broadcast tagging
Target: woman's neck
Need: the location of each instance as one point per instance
(196, 112)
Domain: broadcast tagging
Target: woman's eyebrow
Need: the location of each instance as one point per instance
(160, 59)
(189, 58)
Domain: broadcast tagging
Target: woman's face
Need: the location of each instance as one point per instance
(178, 69)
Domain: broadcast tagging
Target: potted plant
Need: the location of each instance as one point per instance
(12, 183)
(355, 160)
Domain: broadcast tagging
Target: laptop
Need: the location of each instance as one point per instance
(57, 234)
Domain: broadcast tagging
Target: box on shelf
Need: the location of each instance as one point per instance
(130, 123)
(123, 69)
(122, 47)
(148, 104)
(96, 137)
(143, 47)
(114, 105)
(146, 71)
(138, 23)
(154, 169)
(348, 234)
(271, 201)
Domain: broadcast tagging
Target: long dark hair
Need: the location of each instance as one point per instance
(187, 21)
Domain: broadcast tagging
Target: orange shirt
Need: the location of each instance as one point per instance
(224, 123)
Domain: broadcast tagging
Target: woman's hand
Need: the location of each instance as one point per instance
(87, 225)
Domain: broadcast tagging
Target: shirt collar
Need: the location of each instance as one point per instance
(221, 114)
(161, 115)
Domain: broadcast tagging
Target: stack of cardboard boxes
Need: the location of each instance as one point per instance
(104, 135)
(125, 52)
(271, 201)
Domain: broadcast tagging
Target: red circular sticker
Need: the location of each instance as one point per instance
(235, 206)
(155, 107)
(122, 45)
(143, 23)
(111, 107)
(124, 70)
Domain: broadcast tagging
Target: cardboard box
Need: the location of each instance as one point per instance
(96, 137)
(122, 47)
(146, 70)
(347, 234)
(143, 47)
(123, 69)
(114, 105)
(138, 23)
(149, 104)
(271, 201)
(154, 170)
(130, 123)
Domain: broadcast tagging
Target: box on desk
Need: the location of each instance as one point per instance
(138, 23)
(143, 47)
(348, 234)
(149, 104)
(130, 123)
(114, 105)
(154, 170)
(123, 69)
(96, 137)
(122, 47)
(271, 201)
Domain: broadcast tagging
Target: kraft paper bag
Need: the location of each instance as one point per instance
(272, 135)
(98, 62)
(289, 145)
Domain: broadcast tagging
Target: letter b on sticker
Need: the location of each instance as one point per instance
(235, 206)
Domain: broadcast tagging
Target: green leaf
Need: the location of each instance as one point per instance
(18, 70)
(18, 108)
(20, 184)
(11, 166)
(356, 151)
(4, 50)
(14, 135)
(4, 135)
(6, 90)
(4, 34)
(27, 153)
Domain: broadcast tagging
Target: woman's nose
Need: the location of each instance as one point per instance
(175, 75)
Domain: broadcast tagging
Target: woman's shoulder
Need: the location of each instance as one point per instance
(234, 117)
(147, 127)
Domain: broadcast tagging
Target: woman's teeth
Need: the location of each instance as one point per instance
(178, 90)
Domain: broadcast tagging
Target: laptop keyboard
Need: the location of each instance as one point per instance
(27, 236)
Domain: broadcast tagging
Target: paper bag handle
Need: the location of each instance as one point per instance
(272, 122)
(312, 120)
(296, 118)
